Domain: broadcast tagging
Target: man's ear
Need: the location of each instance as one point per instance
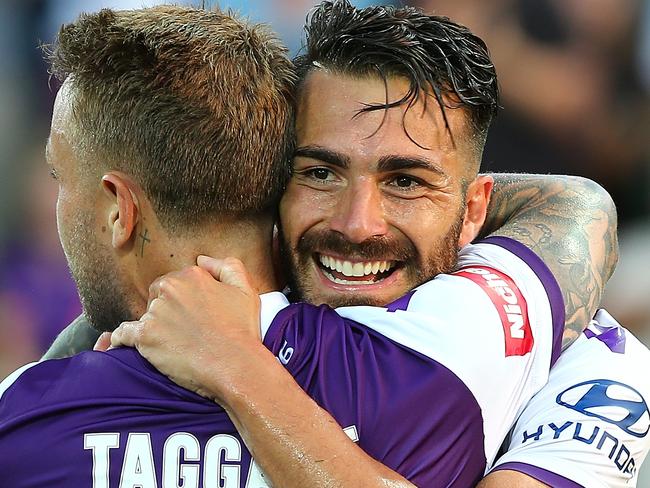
(124, 210)
(477, 200)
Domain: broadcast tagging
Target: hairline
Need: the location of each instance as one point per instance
(473, 137)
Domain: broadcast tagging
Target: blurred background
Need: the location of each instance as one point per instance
(575, 79)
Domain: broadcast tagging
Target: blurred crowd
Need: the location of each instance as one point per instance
(575, 80)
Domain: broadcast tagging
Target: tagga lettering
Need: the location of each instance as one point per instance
(184, 462)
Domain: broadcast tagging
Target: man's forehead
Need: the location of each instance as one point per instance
(329, 113)
(62, 109)
(48, 149)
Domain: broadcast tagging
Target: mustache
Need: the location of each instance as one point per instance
(374, 249)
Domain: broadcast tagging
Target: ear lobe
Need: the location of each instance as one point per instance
(123, 214)
(477, 200)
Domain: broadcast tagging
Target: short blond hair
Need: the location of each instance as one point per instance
(196, 105)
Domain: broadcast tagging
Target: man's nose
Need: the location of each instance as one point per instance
(359, 214)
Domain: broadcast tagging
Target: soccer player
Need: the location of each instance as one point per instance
(348, 217)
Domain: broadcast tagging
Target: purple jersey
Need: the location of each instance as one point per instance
(113, 413)
(396, 380)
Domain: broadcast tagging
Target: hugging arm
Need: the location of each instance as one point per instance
(568, 221)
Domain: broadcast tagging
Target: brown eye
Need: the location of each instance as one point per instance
(404, 181)
(323, 174)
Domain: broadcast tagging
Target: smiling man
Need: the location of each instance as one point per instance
(394, 195)
(171, 138)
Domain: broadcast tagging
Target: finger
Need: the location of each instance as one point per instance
(154, 289)
(127, 334)
(211, 265)
(103, 342)
(160, 286)
(229, 271)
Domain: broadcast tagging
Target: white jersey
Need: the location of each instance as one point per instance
(589, 426)
(496, 324)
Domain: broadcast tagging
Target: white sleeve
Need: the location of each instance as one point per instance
(271, 304)
(589, 426)
(495, 324)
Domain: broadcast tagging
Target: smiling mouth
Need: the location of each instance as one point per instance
(343, 272)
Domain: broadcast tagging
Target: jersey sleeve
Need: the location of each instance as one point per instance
(496, 323)
(589, 426)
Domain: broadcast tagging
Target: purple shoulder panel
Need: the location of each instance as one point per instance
(113, 412)
(613, 337)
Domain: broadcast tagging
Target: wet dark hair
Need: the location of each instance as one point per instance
(439, 57)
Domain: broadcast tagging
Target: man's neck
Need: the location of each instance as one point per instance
(249, 242)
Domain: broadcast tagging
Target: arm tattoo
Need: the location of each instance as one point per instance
(570, 222)
(77, 337)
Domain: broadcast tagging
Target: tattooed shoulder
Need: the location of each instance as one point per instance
(570, 222)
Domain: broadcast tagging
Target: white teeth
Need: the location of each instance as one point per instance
(348, 268)
(348, 282)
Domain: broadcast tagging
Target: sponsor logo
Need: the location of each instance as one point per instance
(609, 401)
(595, 436)
(510, 305)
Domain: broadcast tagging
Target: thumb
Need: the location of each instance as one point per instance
(230, 271)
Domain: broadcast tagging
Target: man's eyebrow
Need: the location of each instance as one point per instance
(396, 163)
(325, 155)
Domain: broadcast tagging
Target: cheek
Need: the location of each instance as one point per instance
(68, 218)
(302, 208)
(421, 221)
(62, 219)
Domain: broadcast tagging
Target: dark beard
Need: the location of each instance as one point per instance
(442, 260)
(102, 294)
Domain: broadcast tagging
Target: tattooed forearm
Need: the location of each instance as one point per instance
(76, 337)
(570, 222)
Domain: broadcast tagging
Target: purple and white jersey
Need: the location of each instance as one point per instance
(589, 426)
(428, 385)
